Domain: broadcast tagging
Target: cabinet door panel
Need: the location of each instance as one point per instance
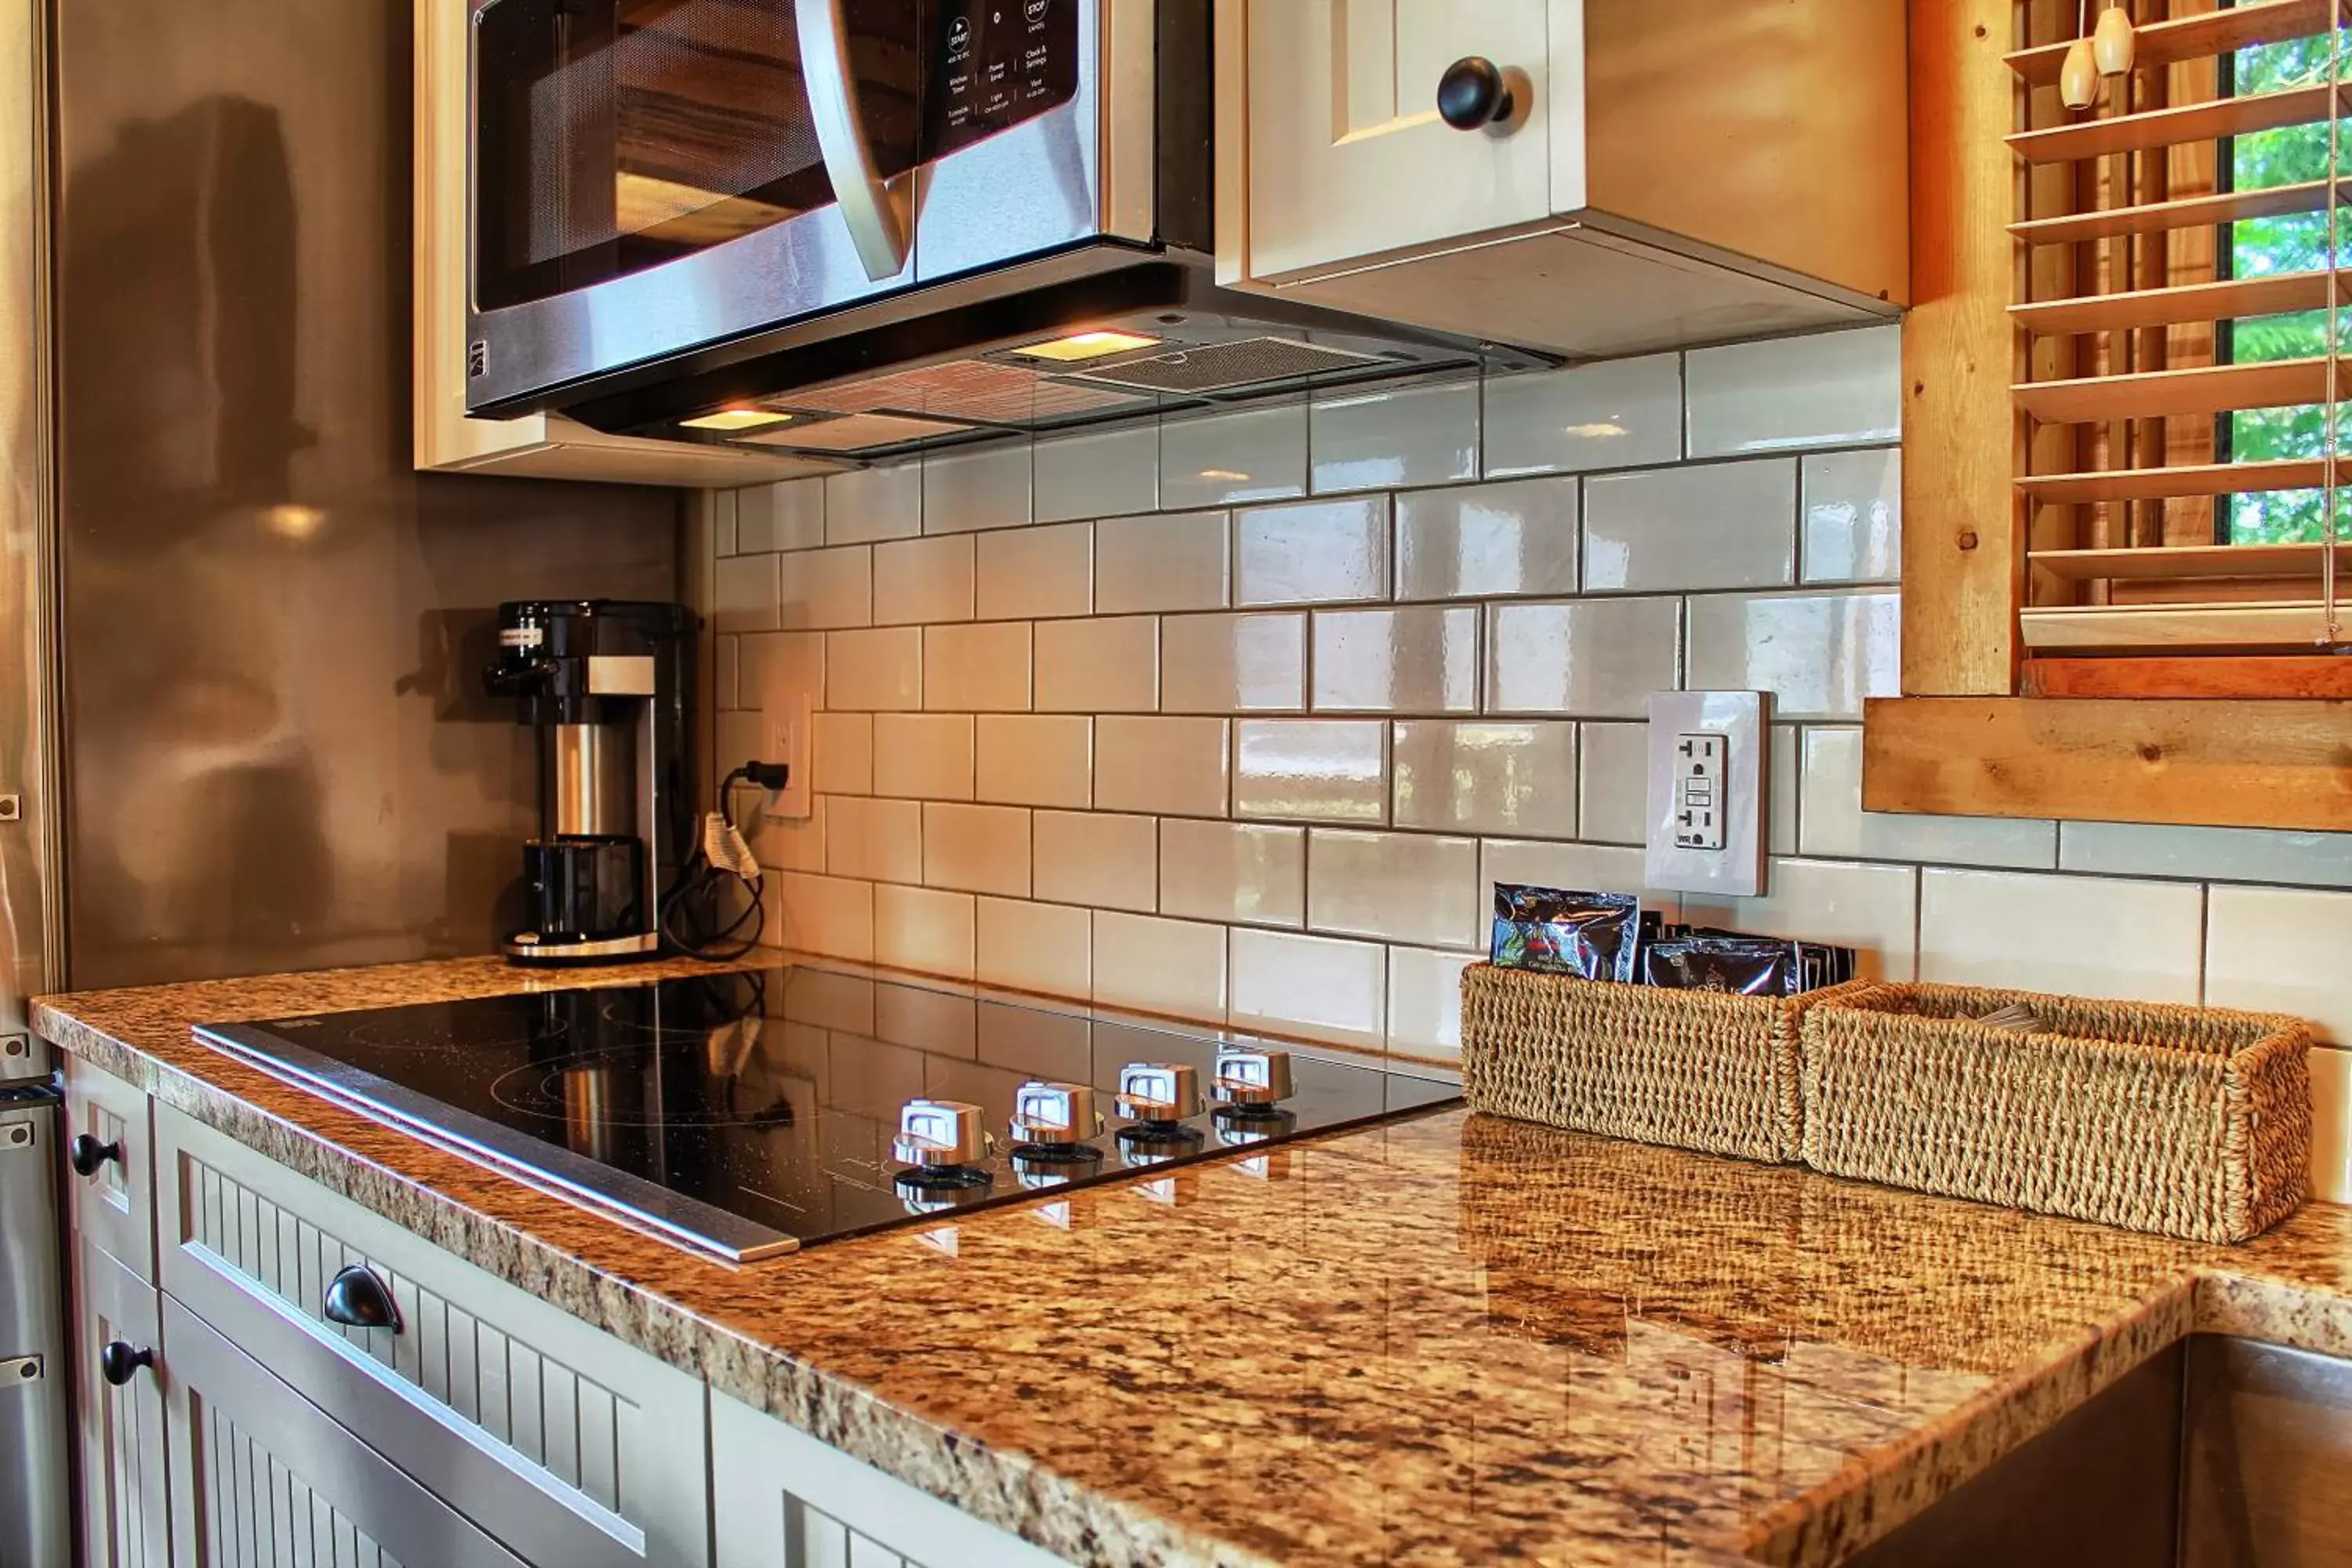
(1348, 157)
(123, 1486)
(262, 1478)
(115, 1205)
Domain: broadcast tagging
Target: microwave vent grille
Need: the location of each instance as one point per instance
(1221, 367)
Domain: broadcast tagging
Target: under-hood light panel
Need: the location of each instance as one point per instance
(1085, 347)
(731, 419)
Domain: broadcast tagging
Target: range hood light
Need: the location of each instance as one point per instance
(734, 419)
(1086, 345)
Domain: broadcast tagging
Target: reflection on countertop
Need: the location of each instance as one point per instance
(1448, 1339)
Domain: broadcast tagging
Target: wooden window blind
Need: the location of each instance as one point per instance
(2181, 307)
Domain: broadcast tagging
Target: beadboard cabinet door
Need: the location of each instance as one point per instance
(1347, 156)
(782, 1500)
(124, 1495)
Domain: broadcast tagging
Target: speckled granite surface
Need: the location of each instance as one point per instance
(1449, 1339)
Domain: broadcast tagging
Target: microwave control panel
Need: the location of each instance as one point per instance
(994, 64)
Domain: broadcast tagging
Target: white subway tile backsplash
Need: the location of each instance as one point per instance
(1852, 509)
(720, 508)
(1256, 454)
(1425, 1000)
(1028, 573)
(1818, 654)
(1714, 525)
(916, 582)
(1172, 767)
(925, 929)
(2280, 950)
(1831, 389)
(1835, 825)
(774, 664)
(963, 492)
(1418, 658)
(977, 668)
(874, 671)
(1581, 868)
(1477, 541)
(1043, 948)
(1314, 769)
(743, 593)
(828, 589)
(863, 505)
(1386, 440)
(1311, 986)
(825, 915)
(1417, 888)
(1613, 792)
(724, 684)
(1875, 909)
(1516, 779)
(2091, 936)
(1232, 664)
(1106, 665)
(787, 515)
(1617, 414)
(841, 753)
(923, 756)
(1179, 563)
(1782, 784)
(874, 840)
(1097, 858)
(1175, 967)
(2208, 853)
(1246, 873)
(1022, 759)
(976, 849)
(789, 843)
(1111, 473)
(2331, 1125)
(1321, 551)
(1594, 657)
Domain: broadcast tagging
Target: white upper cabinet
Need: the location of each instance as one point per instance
(1590, 177)
(1348, 154)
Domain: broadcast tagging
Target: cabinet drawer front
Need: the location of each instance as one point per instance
(123, 1520)
(563, 1442)
(782, 1500)
(261, 1477)
(114, 1206)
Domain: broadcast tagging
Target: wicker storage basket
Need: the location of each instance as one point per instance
(2186, 1121)
(1698, 1069)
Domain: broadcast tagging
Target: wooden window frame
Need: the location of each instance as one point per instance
(2133, 744)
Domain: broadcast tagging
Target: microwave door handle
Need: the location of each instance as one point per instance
(875, 226)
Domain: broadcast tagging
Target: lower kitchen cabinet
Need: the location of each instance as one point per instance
(118, 1333)
(782, 1500)
(262, 1478)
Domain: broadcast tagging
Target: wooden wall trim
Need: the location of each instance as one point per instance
(2209, 763)
(1963, 517)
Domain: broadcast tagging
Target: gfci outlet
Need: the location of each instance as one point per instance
(784, 737)
(1707, 793)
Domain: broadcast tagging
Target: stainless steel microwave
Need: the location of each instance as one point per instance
(753, 220)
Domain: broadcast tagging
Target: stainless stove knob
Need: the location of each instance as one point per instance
(1159, 1092)
(1252, 1076)
(1054, 1115)
(937, 1132)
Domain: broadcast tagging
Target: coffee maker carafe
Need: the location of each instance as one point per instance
(604, 683)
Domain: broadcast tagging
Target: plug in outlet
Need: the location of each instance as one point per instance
(784, 729)
(1706, 794)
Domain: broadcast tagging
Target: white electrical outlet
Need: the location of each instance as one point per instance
(784, 729)
(1706, 792)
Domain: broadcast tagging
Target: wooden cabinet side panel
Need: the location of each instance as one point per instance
(1775, 132)
(1963, 520)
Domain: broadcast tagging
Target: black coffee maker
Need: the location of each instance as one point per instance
(606, 683)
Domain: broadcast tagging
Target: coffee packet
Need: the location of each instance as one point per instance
(1553, 931)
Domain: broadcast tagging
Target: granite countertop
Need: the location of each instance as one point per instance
(1446, 1340)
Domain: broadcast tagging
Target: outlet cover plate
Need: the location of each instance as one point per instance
(785, 726)
(1742, 806)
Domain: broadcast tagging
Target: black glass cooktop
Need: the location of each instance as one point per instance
(751, 1112)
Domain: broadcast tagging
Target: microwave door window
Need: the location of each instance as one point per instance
(615, 135)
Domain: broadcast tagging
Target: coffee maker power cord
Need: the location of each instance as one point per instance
(700, 884)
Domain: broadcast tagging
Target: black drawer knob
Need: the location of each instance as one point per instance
(1473, 94)
(358, 1300)
(88, 1156)
(119, 1363)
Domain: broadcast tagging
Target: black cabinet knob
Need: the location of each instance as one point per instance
(1473, 94)
(88, 1156)
(119, 1363)
(358, 1300)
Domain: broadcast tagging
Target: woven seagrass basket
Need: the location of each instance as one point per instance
(2186, 1121)
(1698, 1069)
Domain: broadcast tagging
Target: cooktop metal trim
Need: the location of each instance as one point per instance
(702, 1226)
